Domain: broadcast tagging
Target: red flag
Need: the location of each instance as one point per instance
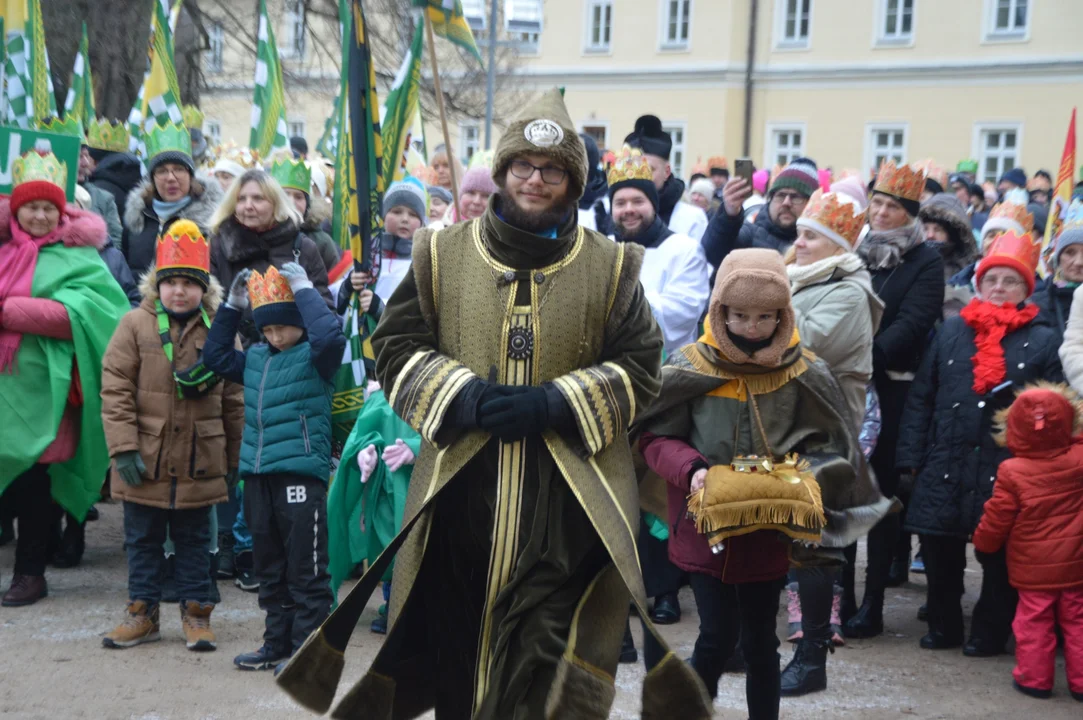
(1060, 199)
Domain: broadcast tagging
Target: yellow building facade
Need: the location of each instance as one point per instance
(846, 82)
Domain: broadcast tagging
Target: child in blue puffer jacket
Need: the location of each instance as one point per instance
(286, 447)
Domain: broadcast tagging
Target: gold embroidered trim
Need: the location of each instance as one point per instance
(627, 379)
(406, 370)
(435, 265)
(615, 285)
(757, 384)
(549, 269)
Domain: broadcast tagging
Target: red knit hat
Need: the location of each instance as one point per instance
(38, 176)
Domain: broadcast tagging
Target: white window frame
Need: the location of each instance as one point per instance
(294, 20)
(216, 47)
(477, 19)
(873, 129)
(526, 34)
(770, 149)
(795, 43)
(899, 38)
(678, 155)
(664, 43)
(212, 131)
(978, 150)
(467, 147)
(604, 124)
(604, 46)
(293, 125)
(992, 34)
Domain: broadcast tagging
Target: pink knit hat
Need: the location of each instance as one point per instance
(759, 181)
(852, 187)
(478, 179)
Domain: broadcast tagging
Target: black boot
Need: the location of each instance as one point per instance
(899, 572)
(72, 544)
(628, 652)
(807, 671)
(226, 569)
(869, 621)
(667, 610)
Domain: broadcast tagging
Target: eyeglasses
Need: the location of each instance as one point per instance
(549, 175)
(164, 171)
(1007, 283)
(761, 324)
(792, 198)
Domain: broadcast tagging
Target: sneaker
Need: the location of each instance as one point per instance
(793, 610)
(245, 577)
(379, 625)
(263, 659)
(837, 638)
(139, 626)
(918, 565)
(196, 621)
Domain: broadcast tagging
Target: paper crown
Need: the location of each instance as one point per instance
(108, 135)
(70, 127)
(268, 289)
(1014, 210)
(244, 156)
(967, 166)
(193, 116)
(1021, 252)
(933, 171)
(183, 246)
(631, 164)
(294, 174)
(717, 162)
(36, 166)
(834, 214)
(170, 137)
(903, 182)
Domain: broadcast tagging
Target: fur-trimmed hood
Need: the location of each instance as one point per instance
(945, 209)
(318, 211)
(206, 195)
(81, 228)
(148, 287)
(1041, 421)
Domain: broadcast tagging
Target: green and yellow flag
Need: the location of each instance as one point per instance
(449, 22)
(158, 102)
(328, 143)
(80, 101)
(28, 85)
(400, 109)
(269, 104)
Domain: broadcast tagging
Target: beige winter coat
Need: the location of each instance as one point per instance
(188, 446)
(838, 314)
(1071, 350)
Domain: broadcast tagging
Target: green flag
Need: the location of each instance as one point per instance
(449, 22)
(328, 143)
(28, 85)
(398, 116)
(80, 101)
(158, 101)
(269, 103)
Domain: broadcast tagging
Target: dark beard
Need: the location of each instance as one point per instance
(624, 234)
(533, 222)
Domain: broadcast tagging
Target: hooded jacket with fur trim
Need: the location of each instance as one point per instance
(187, 445)
(1037, 504)
(144, 226)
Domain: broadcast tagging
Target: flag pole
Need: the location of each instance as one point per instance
(443, 114)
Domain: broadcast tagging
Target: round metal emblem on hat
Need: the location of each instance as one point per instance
(543, 133)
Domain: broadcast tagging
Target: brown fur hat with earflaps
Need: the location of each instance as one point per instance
(544, 127)
(752, 278)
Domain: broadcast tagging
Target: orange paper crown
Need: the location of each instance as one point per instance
(934, 171)
(631, 164)
(1013, 213)
(1020, 252)
(904, 182)
(718, 162)
(183, 246)
(833, 216)
(268, 289)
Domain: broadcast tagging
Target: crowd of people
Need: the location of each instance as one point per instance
(585, 382)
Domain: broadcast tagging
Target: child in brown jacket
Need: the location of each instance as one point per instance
(174, 433)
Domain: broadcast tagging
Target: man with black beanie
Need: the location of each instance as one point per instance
(657, 145)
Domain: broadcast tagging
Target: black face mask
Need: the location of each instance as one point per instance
(749, 347)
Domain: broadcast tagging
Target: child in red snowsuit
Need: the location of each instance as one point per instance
(1037, 509)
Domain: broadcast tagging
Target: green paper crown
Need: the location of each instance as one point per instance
(70, 127)
(292, 174)
(193, 116)
(108, 135)
(168, 138)
(967, 166)
(33, 166)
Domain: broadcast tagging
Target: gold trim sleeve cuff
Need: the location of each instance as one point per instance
(602, 401)
(425, 389)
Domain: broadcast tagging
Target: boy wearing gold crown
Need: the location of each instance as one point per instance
(286, 450)
(174, 433)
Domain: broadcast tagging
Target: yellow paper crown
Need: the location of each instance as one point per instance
(842, 218)
(193, 116)
(631, 164)
(268, 289)
(108, 135)
(903, 182)
(36, 166)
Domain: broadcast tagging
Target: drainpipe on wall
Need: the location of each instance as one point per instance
(750, 59)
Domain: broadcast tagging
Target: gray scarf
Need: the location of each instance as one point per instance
(402, 248)
(884, 249)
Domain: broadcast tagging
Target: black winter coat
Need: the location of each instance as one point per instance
(913, 295)
(1055, 303)
(118, 174)
(118, 268)
(143, 226)
(725, 233)
(947, 428)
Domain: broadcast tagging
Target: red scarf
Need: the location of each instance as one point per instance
(991, 323)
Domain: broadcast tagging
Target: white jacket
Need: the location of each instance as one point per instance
(1071, 350)
(676, 281)
(688, 220)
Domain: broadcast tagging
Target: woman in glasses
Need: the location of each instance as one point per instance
(972, 369)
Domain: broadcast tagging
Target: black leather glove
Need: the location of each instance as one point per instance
(513, 413)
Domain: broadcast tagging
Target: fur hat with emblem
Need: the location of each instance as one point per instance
(544, 128)
(752, 278)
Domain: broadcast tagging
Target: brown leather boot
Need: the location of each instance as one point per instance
(140, 626)
(25, 590)
(196, 620)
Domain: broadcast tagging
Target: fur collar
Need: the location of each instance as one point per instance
(241, 244)
(148, 287)
(206, 195)
(82, 229)
(318, 211)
